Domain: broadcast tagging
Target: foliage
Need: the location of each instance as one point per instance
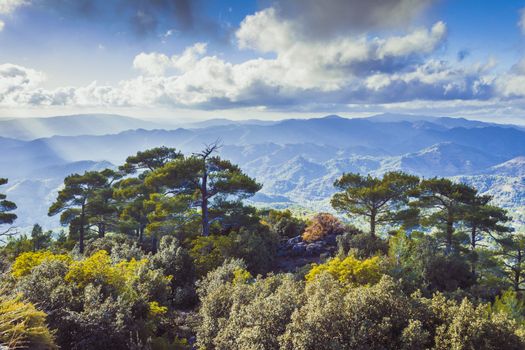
(85, 198)
(283, 223)
(322, 225)
(466, 326)
(448, 273)
(349, 271)
(361, 245)
(256, 248)
(174, 260)
(444, 204)
(22, 326)
(26, 262)
(119, 290)
(381, 201)
(96, 303)
(279, 312)
(6, 207)
(39, 238)
(511, 304)
(241, 314)
(209, 179)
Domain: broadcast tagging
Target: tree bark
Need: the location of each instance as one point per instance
(141, 232)
(81, 230)
(204, 203)
(373, 224)
(101, 230)
(517, 272)
(449, 233)
(153, 244)
(473, 234)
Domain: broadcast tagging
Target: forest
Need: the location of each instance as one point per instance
(164, 252)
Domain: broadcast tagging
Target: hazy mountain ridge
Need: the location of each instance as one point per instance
(296, 160)
(71, 125)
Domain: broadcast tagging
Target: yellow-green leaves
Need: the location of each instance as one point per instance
(349, 271)
(22, 326)
(99, 269)
(25, 262)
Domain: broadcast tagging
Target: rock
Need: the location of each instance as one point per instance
(294, 240)
(330, 240)
(299, 248)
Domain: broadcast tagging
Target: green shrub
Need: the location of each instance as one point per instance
(22, 326)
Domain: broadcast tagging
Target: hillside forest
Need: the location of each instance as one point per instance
(163, 252)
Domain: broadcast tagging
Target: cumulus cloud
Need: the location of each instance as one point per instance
(16, 81)
(296, 71)
(151, 63)
(155, 63)
(2, 25)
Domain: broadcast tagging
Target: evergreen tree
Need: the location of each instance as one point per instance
(512, 255)
(380, 200)
(39, 238)
(446, 205)
(80, 200)
(207, 180)
(132, 192)
(483, 219)
(6, 207)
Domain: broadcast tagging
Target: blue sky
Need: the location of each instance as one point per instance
(184, 59)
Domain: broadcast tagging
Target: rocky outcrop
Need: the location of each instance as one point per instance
(295, 252)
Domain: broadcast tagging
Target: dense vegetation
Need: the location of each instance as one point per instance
(164, 253)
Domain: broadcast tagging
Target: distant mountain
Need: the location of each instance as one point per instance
(445, 159)
(222, 121)
(71, 125)
(296, 160)
(350, 136)
(446, 122)
(514, 167)
(36, 191)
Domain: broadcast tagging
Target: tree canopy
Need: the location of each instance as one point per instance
(380, 200)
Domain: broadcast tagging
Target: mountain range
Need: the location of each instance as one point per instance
(296, 160)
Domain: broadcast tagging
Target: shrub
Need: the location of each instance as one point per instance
(284, 224)
(23, 326)
(119, 247)
(448, 273)
(366, 317)
(321, 225)
(362, 245)
(238, 312)
(257, 249)
(175, 261)
(349, 271)
(95, 303)
(466, 326)
(26, 262)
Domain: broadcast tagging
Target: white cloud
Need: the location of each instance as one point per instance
(151, 63)
(295, 73)
(2, 24)
(15, 81)
(422, 40)
(264, 32)
(156, 64)
(9, 6)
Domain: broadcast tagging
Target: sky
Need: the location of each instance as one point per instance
(241, 59)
